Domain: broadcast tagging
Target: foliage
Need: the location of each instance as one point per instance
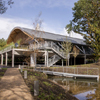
(46, 83)
(75, 53)
(2, 72)
(4, 5)
(86, 21)
(7, 45)
(67, 47)
(19, 41)
(34, 42)
(2, 42)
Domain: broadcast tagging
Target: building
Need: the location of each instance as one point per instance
(47, 47)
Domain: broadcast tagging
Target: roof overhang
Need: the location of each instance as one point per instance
(14, 32)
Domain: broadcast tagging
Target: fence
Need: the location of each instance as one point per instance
(72, 70)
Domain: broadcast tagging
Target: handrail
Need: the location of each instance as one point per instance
(74, 70)
(50, 45)
(53, 59)
(8, 48)
(58, 49)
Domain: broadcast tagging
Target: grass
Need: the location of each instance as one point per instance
(2, 72)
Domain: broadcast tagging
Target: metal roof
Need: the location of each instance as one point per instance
(51, 36)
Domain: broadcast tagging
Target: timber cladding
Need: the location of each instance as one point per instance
(16, 35)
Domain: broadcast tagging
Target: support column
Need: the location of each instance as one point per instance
(62, 63)
(33, 60)
(12, 57)
(1, 59)
(47, 58)
(85, 59)
(6, 60)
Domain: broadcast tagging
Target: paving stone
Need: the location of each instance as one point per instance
(13, 87)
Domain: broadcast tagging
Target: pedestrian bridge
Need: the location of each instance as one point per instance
(75, 72)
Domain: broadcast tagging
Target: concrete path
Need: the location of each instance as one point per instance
(13, 87)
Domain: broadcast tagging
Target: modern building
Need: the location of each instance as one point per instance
(42, 48)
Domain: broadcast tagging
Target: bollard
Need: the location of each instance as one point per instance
(36, 88)
(25, 74)
(75, 78)
(19, 66)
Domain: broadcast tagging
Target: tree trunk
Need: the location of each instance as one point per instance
(74, 61)
(66, 62)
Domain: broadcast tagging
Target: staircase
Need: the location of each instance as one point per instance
(59, 52)
(53, 60)
(51, 46)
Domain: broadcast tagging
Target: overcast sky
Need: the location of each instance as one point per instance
(56, 14)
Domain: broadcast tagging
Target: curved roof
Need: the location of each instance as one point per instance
(45, 35)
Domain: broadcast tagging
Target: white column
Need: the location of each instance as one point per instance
(1, 59)
(33, 60)
(45, 58)
(6, 60)
(62, 62)
(12, 57)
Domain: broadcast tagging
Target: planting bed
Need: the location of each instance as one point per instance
(2, 72)
(48, 90)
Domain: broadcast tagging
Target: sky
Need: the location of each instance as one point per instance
(56, 14)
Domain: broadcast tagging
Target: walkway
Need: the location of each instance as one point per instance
(13, 87)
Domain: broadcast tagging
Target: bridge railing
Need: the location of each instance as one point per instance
(6, 49)
(11, 47)
(71, 70)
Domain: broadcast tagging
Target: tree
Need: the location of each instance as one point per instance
(4, 5)
(34, 42)
(67, 46)
(2, 42)
(75, 53)
(86, 21)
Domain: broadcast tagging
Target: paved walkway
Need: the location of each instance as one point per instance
(13, 87)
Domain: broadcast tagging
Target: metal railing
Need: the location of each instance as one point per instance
(11, 47)
(71, 70)
(55, 47)
(53, 59)
(49, 45)
(6, 49)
